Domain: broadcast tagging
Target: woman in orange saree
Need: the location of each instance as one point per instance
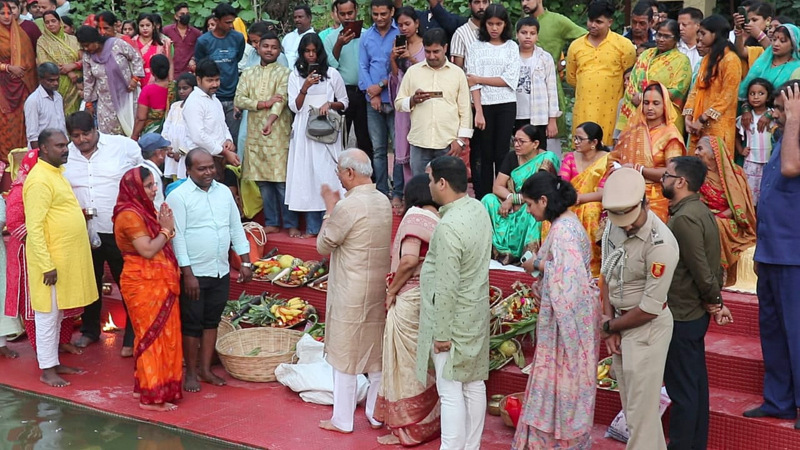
(648, 144)
(711, 107)
(17, 81)
(409, 408)
(728, 196)
(150, 283)
(585, 169)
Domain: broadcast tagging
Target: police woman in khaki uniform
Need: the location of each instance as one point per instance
(639, 257)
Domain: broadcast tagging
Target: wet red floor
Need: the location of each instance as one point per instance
(263, 415)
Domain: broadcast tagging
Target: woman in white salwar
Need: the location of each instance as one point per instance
(312, 164)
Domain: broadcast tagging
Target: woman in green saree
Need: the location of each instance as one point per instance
(62, 49)
(514, 229)
(663, 64)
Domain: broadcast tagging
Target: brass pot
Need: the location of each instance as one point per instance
(494, 404)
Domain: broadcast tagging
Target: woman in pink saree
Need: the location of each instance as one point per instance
(409, 408)
(18, 301)
(558, 409)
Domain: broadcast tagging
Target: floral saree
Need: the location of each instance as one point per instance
(409, 408)
(150, 288)
(61, 48)
(671, 68)
(558, 409)
(726, 188)
(513, 233)
(652, 148)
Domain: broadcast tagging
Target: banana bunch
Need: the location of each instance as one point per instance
(602, 371)
(293, 308)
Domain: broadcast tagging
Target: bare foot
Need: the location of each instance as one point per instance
(389, 439)
(84, 341)
(190, 383)
(50, 377)
(308, 236)
(126, 352)
(67, 370)
(327, 425)
(8, 353)
(269, 230)
(69, 348)
(374, 426)
(161, 407)
(209, 377)
(397, 206)
(294, 233)
(137, 395)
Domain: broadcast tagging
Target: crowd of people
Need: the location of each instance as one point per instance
(142, 146)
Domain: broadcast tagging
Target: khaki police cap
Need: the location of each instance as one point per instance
(622, 196)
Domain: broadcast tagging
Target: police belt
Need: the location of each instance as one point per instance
(622, 312)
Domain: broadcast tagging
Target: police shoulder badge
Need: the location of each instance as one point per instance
(657, 270)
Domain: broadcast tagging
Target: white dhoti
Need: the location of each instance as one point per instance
(48, 330)
(463, 408)
(345, 398)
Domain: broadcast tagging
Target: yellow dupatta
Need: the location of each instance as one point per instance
(61, 48)
(591, 214)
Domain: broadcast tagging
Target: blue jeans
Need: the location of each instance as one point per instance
(273, 195)
(314, 221)
(398, 181)
(420, 157)
(381, 129)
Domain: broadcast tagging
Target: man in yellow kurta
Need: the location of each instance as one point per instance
(357, 233)
(263, 92)
(595, 65)
(58, 254)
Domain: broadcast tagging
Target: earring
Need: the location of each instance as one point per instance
(593, 147)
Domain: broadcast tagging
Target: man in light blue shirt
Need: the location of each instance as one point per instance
(343, 49)
(207, 223)
(375, 50)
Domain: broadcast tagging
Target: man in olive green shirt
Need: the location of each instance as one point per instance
(694, 292)
(454, 314)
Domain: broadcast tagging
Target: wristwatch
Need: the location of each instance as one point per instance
(247, 265)
(607, 326)
(382, 84)
(461, 143)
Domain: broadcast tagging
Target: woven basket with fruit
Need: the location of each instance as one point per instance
(512, 320)
(288, 271)
(268, 310)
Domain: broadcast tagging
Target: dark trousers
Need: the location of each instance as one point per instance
(204, 313)
(686, 379)
(493, 144)
(356, 115)
(778, 319)
(108, 252)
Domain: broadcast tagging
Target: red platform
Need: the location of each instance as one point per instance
(268, 415)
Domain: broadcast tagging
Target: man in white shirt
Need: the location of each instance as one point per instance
(95, 167)
(154, 152)
(44, 108)
(466, 34)
(205, 117)
(689, 21)
(291, 42)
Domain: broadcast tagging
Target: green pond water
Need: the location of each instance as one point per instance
(29, 422)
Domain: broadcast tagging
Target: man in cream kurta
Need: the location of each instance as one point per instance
(357, 233)
(263, 91)
(454, 310)
(58, 254)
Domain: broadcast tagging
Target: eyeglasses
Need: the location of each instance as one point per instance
(520, 141)
(579, 139)
(668, 175)
(664, 36)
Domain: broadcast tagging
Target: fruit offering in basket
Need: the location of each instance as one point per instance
(605, 375)
(269, 310)
(518, 306)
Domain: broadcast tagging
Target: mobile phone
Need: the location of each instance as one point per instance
(742, 12)
(354, 26)
(524, 258)
(435, 94)
(400, 40)
(313, 67)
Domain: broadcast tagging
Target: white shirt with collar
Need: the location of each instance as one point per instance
(95, 181)
(690, 52)
(158, 178)
(291, 44)
(205, 122)
(43, 111)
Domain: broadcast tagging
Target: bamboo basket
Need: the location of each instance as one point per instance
(225, 327)
(277, 346)
(504, 414)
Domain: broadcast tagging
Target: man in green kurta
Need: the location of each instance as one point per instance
(555, 31)
(454, 313)
(263, 92)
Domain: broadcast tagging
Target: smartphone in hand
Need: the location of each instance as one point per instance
(313, 67)
(400, 40)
